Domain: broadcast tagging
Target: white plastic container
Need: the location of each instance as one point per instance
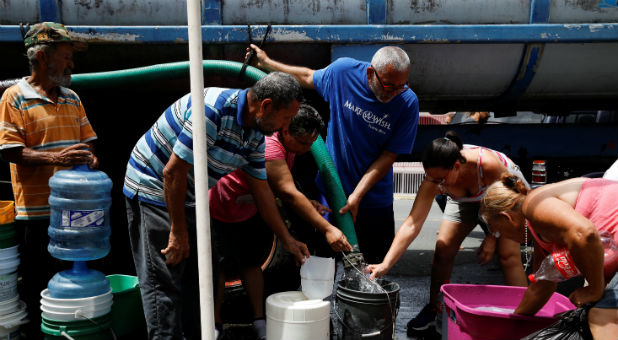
(8, 275)
(9, 324)
(79, 302)
(8, 252)
(9, 306)
(317, 277)
(75, 309)
(291, 316)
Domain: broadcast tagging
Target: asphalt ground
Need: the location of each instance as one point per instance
(412, 272)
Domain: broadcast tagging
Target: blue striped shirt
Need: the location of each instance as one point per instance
(230, 146)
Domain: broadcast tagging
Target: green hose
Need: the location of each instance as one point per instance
(334, 190)
(159, 72)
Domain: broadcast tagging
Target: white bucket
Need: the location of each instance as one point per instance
(78, 302)
(75, 309)
(9, 261)
(9, 306)
(9, 266)
(291, 316)
(8, 286)
(8, 252)
(317, 276)
(9, 324)
(77, 313)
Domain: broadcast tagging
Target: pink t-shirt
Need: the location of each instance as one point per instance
(230, 199)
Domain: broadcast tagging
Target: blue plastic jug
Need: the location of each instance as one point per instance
(78, 282)
(79, 203)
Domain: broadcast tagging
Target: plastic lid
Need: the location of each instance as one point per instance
(294, 306)
(532, 278)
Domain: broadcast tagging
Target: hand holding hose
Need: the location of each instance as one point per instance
(337, 240)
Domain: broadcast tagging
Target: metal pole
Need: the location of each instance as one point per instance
(200, 157)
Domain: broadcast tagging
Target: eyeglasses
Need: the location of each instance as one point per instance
(389, 87)
(439, 181)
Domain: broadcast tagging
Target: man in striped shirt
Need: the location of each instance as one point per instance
(159, 187)
(43, 129)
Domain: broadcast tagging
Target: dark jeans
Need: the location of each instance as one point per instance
(36, 268)
(170, 294)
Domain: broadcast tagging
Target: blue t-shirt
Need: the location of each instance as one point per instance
(361, 127)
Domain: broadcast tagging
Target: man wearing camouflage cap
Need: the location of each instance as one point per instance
(43, 129)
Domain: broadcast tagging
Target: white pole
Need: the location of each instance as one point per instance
(200, 158)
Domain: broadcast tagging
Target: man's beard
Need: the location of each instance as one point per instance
(266, 131)
(61, 80)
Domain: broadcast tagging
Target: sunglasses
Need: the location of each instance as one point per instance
(389, 87)
(439, 181)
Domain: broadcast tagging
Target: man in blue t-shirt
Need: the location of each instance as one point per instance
(374, 117)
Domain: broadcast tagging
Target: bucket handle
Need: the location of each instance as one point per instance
(78, 313)
(370, 335)
(64, 334)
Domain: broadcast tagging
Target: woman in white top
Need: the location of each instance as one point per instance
(463, 173)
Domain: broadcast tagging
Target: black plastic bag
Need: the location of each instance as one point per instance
(572, 325)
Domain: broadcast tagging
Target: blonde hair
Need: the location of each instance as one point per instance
(506, 194)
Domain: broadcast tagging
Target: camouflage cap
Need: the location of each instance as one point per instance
(51, 32)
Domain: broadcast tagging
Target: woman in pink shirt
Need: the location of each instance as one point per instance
(237, 224)
(568, 214)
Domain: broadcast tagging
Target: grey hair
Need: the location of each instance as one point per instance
(32, 52)
(307, 122)
(391, 55)
(281, 87)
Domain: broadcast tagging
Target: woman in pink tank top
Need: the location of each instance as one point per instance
(568, 214)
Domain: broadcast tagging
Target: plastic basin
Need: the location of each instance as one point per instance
(467, 321)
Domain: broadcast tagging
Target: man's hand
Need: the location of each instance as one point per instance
(486, 250)
(74, 154)
(352, 206)
(321, 209)
(178, 247)
(260, 55)
(298, 249)
(337, 240)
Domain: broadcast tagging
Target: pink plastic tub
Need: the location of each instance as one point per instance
(465, 321)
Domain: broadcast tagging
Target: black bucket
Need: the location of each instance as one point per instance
(362, 315)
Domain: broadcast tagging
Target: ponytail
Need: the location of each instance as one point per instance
(443, 152)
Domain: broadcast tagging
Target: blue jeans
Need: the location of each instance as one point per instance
(169, 293)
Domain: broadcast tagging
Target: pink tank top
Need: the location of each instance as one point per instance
(598, 202)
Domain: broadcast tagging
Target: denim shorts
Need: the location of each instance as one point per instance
(610, 295)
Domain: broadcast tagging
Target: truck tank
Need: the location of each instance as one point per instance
(482, 54)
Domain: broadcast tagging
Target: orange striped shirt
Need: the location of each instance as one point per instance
(28, 119)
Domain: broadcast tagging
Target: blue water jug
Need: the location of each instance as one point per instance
(79, 203)
(78, 282)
